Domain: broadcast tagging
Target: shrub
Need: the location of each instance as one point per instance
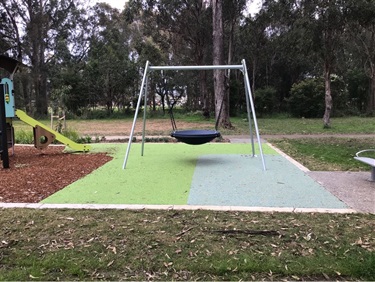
(71, 134)
(339, 92)
(307, 99)
(266, 100)
(358, 89)
(24, 137)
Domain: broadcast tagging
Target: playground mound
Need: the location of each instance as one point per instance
(36, 174)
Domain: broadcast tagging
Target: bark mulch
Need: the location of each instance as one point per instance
(36, 174)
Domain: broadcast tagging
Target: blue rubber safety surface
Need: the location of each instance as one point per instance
(238, 180)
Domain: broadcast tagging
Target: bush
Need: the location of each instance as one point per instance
(307, 99)
(358, 89)
(339, 92)
(72, 135)
(24, 137)
(237, 98)
(27, 137)
(266, 101)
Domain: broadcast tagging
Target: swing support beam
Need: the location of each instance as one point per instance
(249, 102)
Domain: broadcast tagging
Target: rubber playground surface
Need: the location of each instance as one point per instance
(214, 174)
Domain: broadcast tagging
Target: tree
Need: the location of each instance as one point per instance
(221, 101)
(312, 29)
(327, 24)
(109, 73)
(253, 47)
(278, 45)
(181, 30)
(360, 15)
(42, 24)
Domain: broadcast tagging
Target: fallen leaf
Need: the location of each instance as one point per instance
(167, 264)
(307, 237)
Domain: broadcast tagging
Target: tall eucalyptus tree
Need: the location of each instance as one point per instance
(109, 72)
(182, 32)
(37, 28)
(328, 25)
(360, 15)
(221, 101)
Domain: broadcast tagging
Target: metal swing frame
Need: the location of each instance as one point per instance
(249, 103)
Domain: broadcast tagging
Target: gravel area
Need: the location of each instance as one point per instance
(353, 188)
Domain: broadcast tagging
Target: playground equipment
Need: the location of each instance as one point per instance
(61, 121)
(195, 137)
(367, 160)
(43, 135)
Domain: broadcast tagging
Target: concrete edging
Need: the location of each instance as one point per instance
(173, 207)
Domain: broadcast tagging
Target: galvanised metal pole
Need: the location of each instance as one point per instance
(218, 67)
(212, 67)
(144, 118)
(247, 85)
(249, 117)
(136, 114)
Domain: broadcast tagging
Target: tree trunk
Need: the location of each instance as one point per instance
(371, 100)
(41, 96)
(205, 106)
(254, 66)
(221, 103)
(37, 35)
(328, 96)
(371, 103)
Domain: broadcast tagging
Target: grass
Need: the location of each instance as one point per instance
(184, 245)
(346, 125)
(327, 154)
(199, 245)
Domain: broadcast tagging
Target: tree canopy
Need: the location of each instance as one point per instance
(89, 56)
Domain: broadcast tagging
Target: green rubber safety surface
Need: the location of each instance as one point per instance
(163, 176)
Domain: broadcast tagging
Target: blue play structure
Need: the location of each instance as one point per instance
(7, 108)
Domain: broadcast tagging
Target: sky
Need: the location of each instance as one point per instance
(253, 6)
(119, 4)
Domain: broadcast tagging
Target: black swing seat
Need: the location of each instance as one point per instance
(195, 137)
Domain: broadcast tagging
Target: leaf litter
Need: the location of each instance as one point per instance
(189, 245)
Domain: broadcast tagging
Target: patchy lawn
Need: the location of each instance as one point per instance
(184, 245)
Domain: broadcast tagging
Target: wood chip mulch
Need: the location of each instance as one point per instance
(36, 174)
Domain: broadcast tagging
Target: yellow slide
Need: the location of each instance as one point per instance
(59, 137)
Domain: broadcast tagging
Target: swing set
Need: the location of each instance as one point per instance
(195, 137)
